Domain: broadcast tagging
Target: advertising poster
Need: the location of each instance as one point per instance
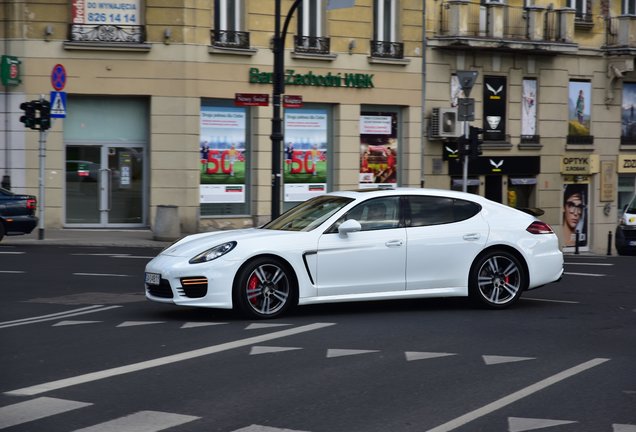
(579, 101)
(628, 116)
(494, 108)
(575, 217)
(378, 150)
(222, 154)
(117, 12)
(529, 108)
(305, 154)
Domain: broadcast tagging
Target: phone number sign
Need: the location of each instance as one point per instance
(119, 12)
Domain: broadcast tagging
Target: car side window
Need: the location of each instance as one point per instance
(434, 210)
(374, 214)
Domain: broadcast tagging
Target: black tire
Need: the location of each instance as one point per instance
(497, 279)
(265, 288)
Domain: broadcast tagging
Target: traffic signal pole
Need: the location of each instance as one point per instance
(466, 158)
(42, 149)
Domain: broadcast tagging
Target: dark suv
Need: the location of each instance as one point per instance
(17, 213)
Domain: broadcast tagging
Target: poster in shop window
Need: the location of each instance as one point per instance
(628, 114)
(222, 155)
(529, 108)
(575, 216)
(579, 101)
(305, 154)
(378, 150)
(494, 108)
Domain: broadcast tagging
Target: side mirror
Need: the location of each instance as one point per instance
(349, 226)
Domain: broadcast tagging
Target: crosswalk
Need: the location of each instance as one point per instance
(38, 409)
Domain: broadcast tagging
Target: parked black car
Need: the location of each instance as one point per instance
(17, 213)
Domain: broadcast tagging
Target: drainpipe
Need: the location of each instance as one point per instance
(423, 101)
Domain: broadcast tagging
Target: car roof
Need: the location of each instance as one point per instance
(379, 192)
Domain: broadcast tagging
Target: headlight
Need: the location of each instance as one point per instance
(214, 253)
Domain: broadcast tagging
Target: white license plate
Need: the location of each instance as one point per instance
(153, 278)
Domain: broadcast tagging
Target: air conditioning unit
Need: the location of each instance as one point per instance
(444, 123)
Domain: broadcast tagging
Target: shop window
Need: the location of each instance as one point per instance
(379, 148)
(224, 159)
(521, 192)
(385, 41)
(310, 36)
(96, 22)
(229, 25)
(472, 185)
(626, 190)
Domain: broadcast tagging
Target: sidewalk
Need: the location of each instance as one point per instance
(87, 237)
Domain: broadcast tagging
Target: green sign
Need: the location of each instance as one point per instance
(10, 71)
(351, 80)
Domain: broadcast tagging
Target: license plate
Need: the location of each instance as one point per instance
(153, 278)
(632, 242)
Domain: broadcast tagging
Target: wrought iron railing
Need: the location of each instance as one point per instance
(230, 39)
(382, 49)
(312, 45)
(107, 33)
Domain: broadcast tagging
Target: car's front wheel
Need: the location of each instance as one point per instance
(497, 279)
(265, 288)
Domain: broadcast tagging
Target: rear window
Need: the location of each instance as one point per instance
(434, 210)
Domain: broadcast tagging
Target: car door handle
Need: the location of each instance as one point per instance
(472, 236)
(394, 243)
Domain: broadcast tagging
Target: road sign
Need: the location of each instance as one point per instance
(467, 80)
(251, 99)
(58, 77)
(58, 104)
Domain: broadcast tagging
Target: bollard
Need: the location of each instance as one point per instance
(576, 242)
(167, 226)
(609, 243)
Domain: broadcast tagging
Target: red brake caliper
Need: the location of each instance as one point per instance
(251, 286)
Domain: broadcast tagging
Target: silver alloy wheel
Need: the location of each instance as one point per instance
(267, 289)
(499, 279)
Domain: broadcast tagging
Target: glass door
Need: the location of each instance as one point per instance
(104, 186)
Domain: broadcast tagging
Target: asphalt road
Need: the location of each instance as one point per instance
(82, 350)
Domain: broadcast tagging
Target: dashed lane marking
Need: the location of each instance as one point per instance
(584, 274)
(101, 274)
(56, 316)
(142, 421)
(24, 412)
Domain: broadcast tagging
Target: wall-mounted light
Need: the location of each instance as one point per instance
(167, 34)
(48, 31)
(352, 45)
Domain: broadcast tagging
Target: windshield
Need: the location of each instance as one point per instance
(631, 207)
(308, 215)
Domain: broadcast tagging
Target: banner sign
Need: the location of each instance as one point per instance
(378, 149)
(494, 108)
(251, 99)
(116, 12)
(510, 165)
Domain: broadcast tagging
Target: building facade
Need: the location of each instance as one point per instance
(170, 104)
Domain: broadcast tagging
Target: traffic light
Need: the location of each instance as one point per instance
(474, 141)
(29, 114)
(462, 146)
(45, 114)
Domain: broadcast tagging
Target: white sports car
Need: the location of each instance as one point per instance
(372, 244)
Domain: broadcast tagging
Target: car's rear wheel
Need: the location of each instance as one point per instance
(265, 288)
(497, 279)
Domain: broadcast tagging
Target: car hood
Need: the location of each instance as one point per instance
(197, 243)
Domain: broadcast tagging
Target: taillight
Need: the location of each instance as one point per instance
(31, 204)
(539, 227)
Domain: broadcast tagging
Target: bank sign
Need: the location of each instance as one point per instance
(291, 77)
(627, 164)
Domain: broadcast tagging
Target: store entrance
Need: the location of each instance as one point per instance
(104, 186)
(493, 188)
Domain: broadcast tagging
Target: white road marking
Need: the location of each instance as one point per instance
(111, 255)
(69, 323)
(24, 412)
(57, 316)
(100, 274)
(492, 359)
(590, 264)
(584, 274)
(255, 350)
(12, 271)
(516, 424)
(258, 428)
(551, 300)
(138, 323)
(161, 361)
(516, 396)
(200, 324)
(623, 428)
(262, 326)
(331, 353)
(11, 253)
(413, 355)
(142, 421)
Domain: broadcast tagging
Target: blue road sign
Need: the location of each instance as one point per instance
(58, 104)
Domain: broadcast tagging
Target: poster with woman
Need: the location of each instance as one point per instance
(529, 108)
(305, 154)
(575, 197)
(579, 101)
(378, 149)
(222, 154)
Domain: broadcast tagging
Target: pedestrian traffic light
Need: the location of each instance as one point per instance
(29, 114)
(475, 141)
(45, 114)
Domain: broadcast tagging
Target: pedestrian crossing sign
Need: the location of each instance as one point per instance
(58, 104)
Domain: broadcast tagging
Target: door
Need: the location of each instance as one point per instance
(104, 186)
(369, 261)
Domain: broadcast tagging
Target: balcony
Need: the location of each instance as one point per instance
(620, 35)
(230, 39)
(107, 37)
(496, 26)
(312, 45)
(387, 50)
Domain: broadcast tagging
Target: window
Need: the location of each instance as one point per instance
(311, 27)
(228, 24)
(385, 30)
(583, 9)
(629, 7)
(432, 210)
(374, 214)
